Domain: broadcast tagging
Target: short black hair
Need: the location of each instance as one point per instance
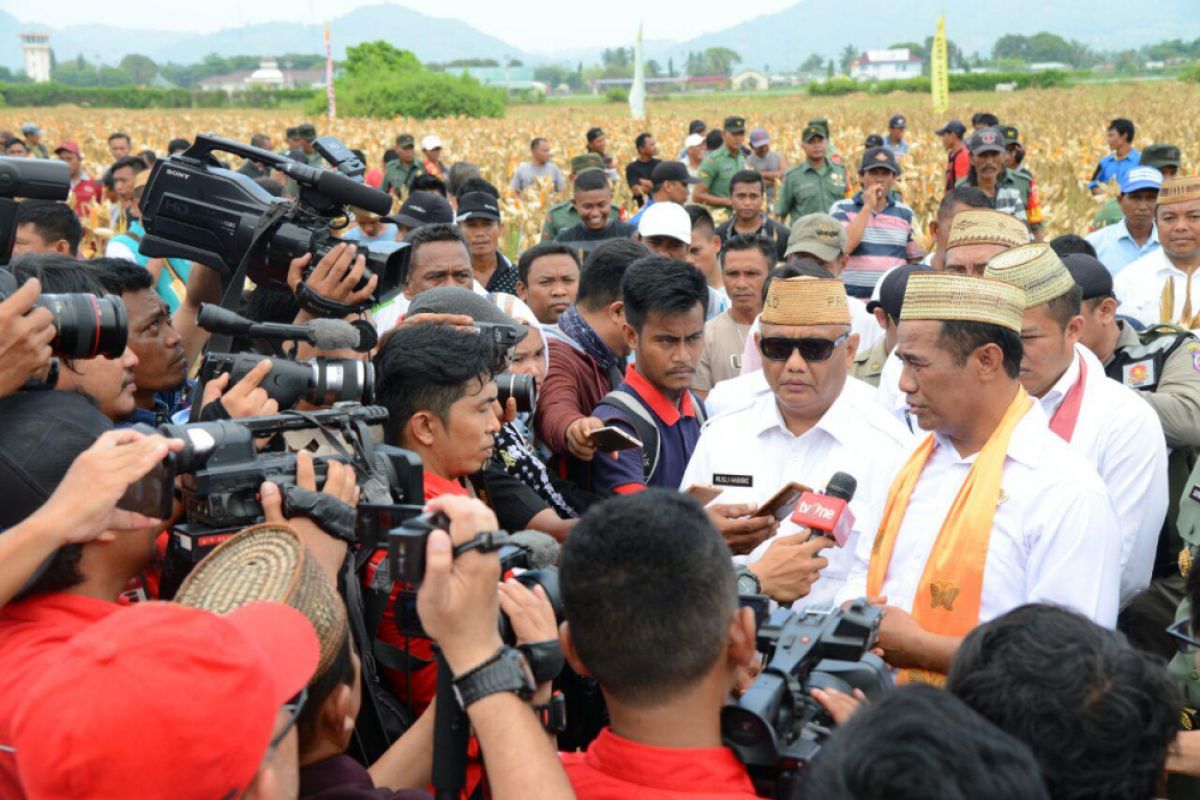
(340, 672)
(697, 126)
(179, 145)
(148, 158)
(1069, 243)
(714, 140)
(120, 135)
(424, 182)
(429, 367)
(746, 176)
(985, 119)
(600, 278)
(476, 184)
(133, 162)
(1098, 714)
(1066, 306)
(643, 638)
(536, 141)
(389, 156)
(266, 302)
(963, 338)
(659, 285)
(256, 140)
(120, 276)
(970, 196)
(1123, 127)
(57, 273)
(52, 221)
(701, 218)
(640, 141)
(433, 232)
(919, 742)
(590, 181)
(543, 249)
(749, 241)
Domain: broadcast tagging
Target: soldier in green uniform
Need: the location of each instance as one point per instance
(721, 165)
(868, 365)
(563, 215)
(1018, 176)
(814, 186)
(308, 135)
(1163, 157)
(401, 170)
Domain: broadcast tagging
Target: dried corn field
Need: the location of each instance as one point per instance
(1062, 130)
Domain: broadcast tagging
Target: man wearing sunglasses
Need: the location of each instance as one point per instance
(815, 421)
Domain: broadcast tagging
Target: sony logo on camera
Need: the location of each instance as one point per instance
(174, 173)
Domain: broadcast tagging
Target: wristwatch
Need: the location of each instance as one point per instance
(505, 671)
(748, 582)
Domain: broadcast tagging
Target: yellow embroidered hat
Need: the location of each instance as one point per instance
(958, 298)
(985, 226)
(1036, 268)
(806, 301)
(1179, 189)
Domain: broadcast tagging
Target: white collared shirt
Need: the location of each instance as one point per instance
(1055, 537)
(888, 393)
(1120, 435)
(736, 393)
(753, 445)
(1139, 288)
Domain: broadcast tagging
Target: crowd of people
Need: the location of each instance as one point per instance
(1020, 417)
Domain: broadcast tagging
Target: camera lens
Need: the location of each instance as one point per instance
(522, 387)
(337, 379)
(87, 325)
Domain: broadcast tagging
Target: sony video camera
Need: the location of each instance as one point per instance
(777, 727)
(194, 208)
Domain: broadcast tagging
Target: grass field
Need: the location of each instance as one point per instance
(1063, 130)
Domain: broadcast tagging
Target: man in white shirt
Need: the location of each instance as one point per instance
(815, 421)
(1161, 285)
(992, 510)
(1107, 423)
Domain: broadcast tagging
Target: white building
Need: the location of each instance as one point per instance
(886, 65)
(268, 75)
(37, 56)
(750, 80)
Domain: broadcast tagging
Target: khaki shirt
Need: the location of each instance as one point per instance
(1177, 397)
(717, 170)
(721, 359)
(868, 365)
(806, 190)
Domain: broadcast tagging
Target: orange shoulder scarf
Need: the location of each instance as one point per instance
(951, 588)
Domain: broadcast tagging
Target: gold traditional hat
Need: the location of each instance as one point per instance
(269, 563)
(958, 298)
(1036, 268)
(985, 226)
(806, 301)
(1179, 189)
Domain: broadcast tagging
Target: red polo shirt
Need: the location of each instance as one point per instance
(31, 633)
(614, 768)
(957, 166)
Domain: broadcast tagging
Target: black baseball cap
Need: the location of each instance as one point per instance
(874, 140)
(735, 124)
(892, 288)
(478, 205)
(879, 157)
(594, 133)
(422, 208)
(986, 140)
(953, 126)
(1092, 276)
(671, 171)
(697, 126)
(1011, 134)
(897, 121)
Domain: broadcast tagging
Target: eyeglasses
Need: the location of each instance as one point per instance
(779, 348)
(1181, 632)
(293, 707)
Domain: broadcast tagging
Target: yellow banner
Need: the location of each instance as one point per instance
(939, 70)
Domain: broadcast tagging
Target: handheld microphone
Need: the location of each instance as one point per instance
(324, 334)
(827, 513)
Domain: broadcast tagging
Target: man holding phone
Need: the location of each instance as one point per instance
(816, 420)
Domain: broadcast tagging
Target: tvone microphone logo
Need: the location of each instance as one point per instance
(817, 510)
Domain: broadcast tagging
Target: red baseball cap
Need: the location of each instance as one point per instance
(69, 146)
(163, 701)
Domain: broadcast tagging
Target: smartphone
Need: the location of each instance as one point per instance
(782, 503)
(153, 495)
(611, 439)
(704, 494)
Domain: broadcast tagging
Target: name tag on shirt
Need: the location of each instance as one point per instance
(1139, 373)
(746, 481)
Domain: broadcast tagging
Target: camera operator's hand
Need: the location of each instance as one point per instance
(841, 707)
(506, 412)
(458, 602)
(532, 619)
(335, 276)
(790, 566)
(25, 336)
(247, 398)
(741, 531)
(340, 483)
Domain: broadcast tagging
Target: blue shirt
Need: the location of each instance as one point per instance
(899, 148)
(1116, 249)
(1112, 167)
(636, 218)
(168, 405)
(678, 432)
(172, 280)
(355, 234)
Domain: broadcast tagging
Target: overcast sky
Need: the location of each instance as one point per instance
(534, 25)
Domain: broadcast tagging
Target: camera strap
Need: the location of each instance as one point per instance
(320, 305)
(331, 515)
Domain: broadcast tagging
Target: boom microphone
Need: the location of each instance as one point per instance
(543, 548)
(324, 334)
(827, 513)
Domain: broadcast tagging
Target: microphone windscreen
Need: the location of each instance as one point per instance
(543, 548)
(334, 334)
(350, 192)
(842, 485)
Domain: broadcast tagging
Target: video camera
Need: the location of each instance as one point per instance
(32, 179)
(777, 727)
(196, 209)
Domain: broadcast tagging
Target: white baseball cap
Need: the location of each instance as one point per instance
(666, 219)
(430, 142)
(693, 140)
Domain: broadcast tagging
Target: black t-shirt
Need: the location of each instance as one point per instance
(584, 240)
(640, 170)
(777, 232)
(343, 778)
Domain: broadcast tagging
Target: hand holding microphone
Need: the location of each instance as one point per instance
(828, 513)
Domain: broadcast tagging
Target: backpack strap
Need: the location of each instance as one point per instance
(633, 412)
